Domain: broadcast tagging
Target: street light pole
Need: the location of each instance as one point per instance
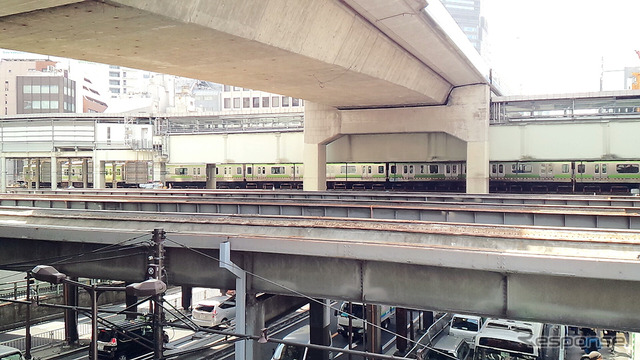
(94, 323)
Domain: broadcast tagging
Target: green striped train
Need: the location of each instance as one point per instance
(509, 176)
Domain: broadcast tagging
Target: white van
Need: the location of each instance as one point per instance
(358, 314)
(293, 352)
(10, 353)
(466, 327)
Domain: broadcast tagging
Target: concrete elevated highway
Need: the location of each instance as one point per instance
(363, 67)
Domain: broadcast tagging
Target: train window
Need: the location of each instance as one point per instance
(347, 169)
(581, 168)
(494, 168)
(392, 169)
(404, 169)
(216, 171)
(275, 170)
(118, 171)
(604, 168)
(550, 168)
(597, 168)
(421, 169)
(565, 168)
(627, 168)
(225, 171)
(448, 169)
(238, 171)
(380, 169)
(501, 168)
(66, 172)
(182, 171)
(410, 169)
(521, 168)
(433, 169)
(249, 170)
(199, 171)
(454, 168)
(369, 169)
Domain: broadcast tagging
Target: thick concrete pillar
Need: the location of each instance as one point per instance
(98, 174)
(315, 167)
(401, 330)
(427, 319)
(321, 126)
(130, 300)
(54, 172)
(478, 167)
(319, 334)
(254, 319)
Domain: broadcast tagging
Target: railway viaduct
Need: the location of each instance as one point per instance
(391, 68)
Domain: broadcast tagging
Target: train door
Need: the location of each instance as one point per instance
(408, 172)
(600, 171)
(394, 173)
(497, 171)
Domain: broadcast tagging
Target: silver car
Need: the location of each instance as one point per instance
(213, 312)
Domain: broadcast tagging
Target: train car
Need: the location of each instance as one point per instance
(428, 176)
(358, 176)
(273, 176)
(186, 175)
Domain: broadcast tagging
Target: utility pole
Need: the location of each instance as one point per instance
(154, 271)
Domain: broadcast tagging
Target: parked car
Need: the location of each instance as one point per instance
(213, 312)
(466, 327)
(126, 340)
(10, 353)
(448, 347)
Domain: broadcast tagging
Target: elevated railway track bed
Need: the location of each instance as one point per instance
(607, 214)
(540, 273)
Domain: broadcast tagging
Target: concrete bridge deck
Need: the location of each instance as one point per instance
(542, 274)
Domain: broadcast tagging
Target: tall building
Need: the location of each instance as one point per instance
(36, 86)
(467, 14)
(238, 100)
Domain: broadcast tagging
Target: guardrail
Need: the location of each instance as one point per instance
(17, 290)
(46, 338)
(432, 332)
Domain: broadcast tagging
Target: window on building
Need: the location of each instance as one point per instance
(35, 89)
(265, 101)
(26, 89)
(124, 74)
(295, 102)
(114, 82)
(27, 104)
(236, 103)
(285, 101)
(256, 102)
(44, 89)
(114, 74)
(35, 104)
(227, 103)
(114, 90)
(53, 89)
(227, 88)
(236, 88)
(246, 102)
(275, 101)
(45, 104)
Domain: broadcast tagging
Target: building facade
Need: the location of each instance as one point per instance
(36, 86)
(467, 14)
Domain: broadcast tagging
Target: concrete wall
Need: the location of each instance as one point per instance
(562, 141)
(238, 148)
(397, 147)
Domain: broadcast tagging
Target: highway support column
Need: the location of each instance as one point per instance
(319, 333)
(374, 334)
(320, 128)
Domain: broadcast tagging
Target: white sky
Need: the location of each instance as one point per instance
(558, 46)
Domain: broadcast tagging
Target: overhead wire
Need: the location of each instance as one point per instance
(293, 291)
